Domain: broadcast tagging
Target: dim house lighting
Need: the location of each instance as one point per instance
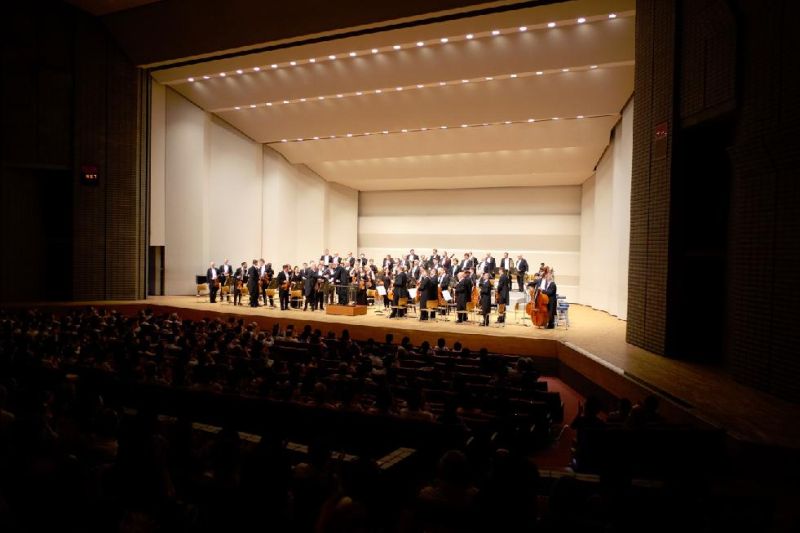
(581, 20)
(293, 63)
(252, 105)
(470, 36)
(551, 24)
(331, 57)
(593, 66)
(256, 69)
(284, 140)
(420, 43)
(523, 28)
(352, 54)
(513, 75)
(396, 47)
(444, 39)
(531, 120)
(612, 15)
(312, 60)
(191, 80)
(420, 86)
(206, 78)
(274, 65)
(237, 108)
(239, 71)
(374, 50)
(495, 32)
(539, 72)
(564, 70)
(222, 74)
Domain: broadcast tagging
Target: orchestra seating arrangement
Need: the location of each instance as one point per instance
(122, 420)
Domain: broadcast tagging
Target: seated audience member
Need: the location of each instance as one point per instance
(588, 415)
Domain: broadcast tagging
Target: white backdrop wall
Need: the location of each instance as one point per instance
(605, 224)
(221, 195)
(541, 223)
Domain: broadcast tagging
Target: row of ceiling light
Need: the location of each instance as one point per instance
(418, 44)
(444, 127)
(417, 86)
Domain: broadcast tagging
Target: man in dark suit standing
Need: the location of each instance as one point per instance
(503, 293)
(485, 297)
(212, 276)
(412, 256)
(309, 286)
(549, 288)
(284, 277)
(506, 262)
(400, 290)
(252, 283)
(463, 293)
(489, 264)
(522, 269)
(239, 279)
(340, 281)
(427, 292)
(416, 271)
(363, 259)
(325, 258)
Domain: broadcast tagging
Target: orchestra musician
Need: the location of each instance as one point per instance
(503, 292)
(350, 261)
(522, 269)
(506, 262)
(363, 259)
(489, 265)
(340, 281)
(549, 288)
(463, 292)
(296, 278)
(325, 258)
(252, 283)
(411, 257)
(310, 286)
(284, 282)
(225, 272)
(239, 280)
(400, 290)
(429, 293)
(486, 297)
(416, 270)
(212, 277)
(319, 291)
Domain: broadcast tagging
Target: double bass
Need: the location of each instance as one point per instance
(537, 307)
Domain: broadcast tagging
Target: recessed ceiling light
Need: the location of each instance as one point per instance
(396, 47)
(349, 134)
(442, 127)
(551, 24)
(331, 57)
(286, 101)
(339, 95)
(463, 125)
(284, 140)
(531, 120)
(495, 32)
(464, 81)
(404, 130)
(581, 20)
(612, 15)
(252, 105)
(420, 43)
(352, 54)
(555, 118)
(332, 137)
(470, 36)
(580, 116)
(269, 104)
(206, 78)
(377, 91)
(398, 89)
(423, 129)
(374, 50)
(485, 123)
(420, 86)
(320, 98)
(508, 122)
(299, 140)
(367, 133)
(385, 132)
(256, 69)
(191, 80)
(442, 83)
(239, 71)
(489, 78)
(302, 99)
(593, 66)
(359, 93)
(274, 65)
(293, 63)
(222, 74)
(539, 72)
(564, 70)
(513, 75)
(444, 39)
(312, 60)
(237, 108)
(523, 28)
(316, 138)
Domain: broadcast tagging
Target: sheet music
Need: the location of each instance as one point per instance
(446, 295)
(412, 294)
(381, 290)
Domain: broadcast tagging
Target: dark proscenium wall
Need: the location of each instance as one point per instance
(70, 98)
(714, 224)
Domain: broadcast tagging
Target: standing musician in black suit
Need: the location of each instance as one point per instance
(506, 262)
(363, 259)
(522, 269)
(549, 288)
(284, 281)
(485, 289)
(325, 258)
(463, 294)
(239, 279)
(443, 281)
(423, 290)
(503, 292)
(310, 286)
(400, 290)
(225, 272)
(212, 277)
(252, 283)
(489, 264)
(340, 280)
(411, 257)
(319, 291)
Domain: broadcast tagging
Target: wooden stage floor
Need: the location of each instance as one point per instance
(593, 346)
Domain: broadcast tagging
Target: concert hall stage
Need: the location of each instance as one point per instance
(591, 355)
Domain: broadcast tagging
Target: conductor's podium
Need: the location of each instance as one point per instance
(345, 310)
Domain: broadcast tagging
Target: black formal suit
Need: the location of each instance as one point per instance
(427, 292)
(363, 261)
(446, 261)
(340, 280)
(445, 282)
(489, 266)
(503, 293)
(463, 293)
(507, 263)
(400, 290)
(225, 272)
(412, 257)
(415, 273)
(351, 261)
(212, 273)
(309, 283)
(550, 290)
(522, 269)
(283, 293)
(252, 285)
(239, 275)
(325, 259)
(485, 299)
